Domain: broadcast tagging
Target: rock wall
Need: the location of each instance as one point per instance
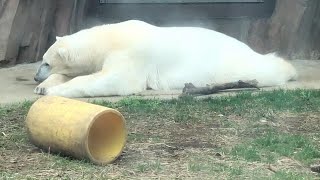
(292, 31)
(29, 27)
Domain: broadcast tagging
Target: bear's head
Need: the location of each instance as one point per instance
(57, 60)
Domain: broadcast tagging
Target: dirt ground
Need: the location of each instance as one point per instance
(185, 139)
(17, 82)
(180, 139)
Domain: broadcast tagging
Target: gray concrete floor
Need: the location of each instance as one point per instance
(17, 83)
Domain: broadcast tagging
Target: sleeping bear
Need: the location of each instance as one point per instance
(129, 57)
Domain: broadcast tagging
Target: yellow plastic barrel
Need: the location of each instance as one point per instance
(75, 128)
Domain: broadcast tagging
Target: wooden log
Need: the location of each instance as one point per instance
(190, 89)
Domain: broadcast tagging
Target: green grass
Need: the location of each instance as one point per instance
(213, 167)
(151, 166)
(288, 145)
(287, 175)
(273, 144)
(180, 139)
(246, 151)
(262, 104)
(282, 175)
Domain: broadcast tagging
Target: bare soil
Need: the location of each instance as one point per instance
(159, 148)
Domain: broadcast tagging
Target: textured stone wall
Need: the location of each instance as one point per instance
(292, 31)
(29, 27)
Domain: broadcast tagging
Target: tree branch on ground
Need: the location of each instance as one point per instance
(190, 89)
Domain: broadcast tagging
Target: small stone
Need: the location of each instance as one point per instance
(315, 168)
(13, 161)
(263, 120)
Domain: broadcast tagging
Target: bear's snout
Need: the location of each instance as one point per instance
(36, 79)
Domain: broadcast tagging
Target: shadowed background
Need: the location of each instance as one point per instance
(290, 27)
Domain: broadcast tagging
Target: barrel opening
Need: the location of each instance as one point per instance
(106, 137)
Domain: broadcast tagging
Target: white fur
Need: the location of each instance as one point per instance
(128, 57)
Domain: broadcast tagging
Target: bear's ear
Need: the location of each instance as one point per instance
(63, 53)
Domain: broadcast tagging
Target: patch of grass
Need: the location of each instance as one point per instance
(206, 166)
(280, 175)
(141, 137)
(249, 153)
(180, 138)
(272, 144)
(11, 128)
(286, 175)
(260, 104)
(265, 104)
(16, 108)
(236, 171)
(2, 111)
(154, 166)
(227, 123)
(134, 104)
(25, 105)
(61, 160)
(137, 137)
(297, 146)
(211, 167)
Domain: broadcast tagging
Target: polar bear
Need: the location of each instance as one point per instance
(129, 57)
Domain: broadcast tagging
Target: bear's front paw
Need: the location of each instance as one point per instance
(40, 90)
